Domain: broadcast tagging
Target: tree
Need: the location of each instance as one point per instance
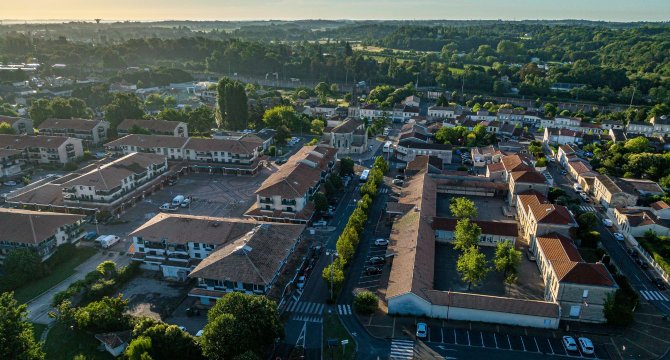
(442, 101)
(637, 145)
(317, 127)
(345, 249)
(507, 258)
(587, 221)
(282, 134)
(463, 208)
(320, 202)
(16, 333)
(123, 106)
(346, 166)
(21, 266)
(365, 302)
(238, 323)
(165, 341)
(617, 309)
(280, 116)
(201, 120)
(108, 314)
(5, 128)
(107, 269)
(466, 234)
(333, 274)
(381, 164)
(236, 106)
(472, 266)
(221, 98)
(139, 348)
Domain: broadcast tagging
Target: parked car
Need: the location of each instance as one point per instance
(398, 182)
(373, 270)
(607, 222)
(577, 187)
(376, 260)
(584, 196)
(659, 283)
(186, 202)
(619, 236)
(91, 235)
(320, 223)
(10, 183)
(172, 182)
(633, 253)
(400, 177)
(421, 330)
(381, 242)
(167, 207)
(301, 282)
(280, 161)
(563, 172)
(569, 343)
(529, 255)
(585, 345)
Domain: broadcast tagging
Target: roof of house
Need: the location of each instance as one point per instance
(32, 227)
(516, 162)
(74, 123)
(640, 217)
(246, 144)
(417, 145)
(567, 149)
(151, 125)
(564, 132)
(528, 176)
(181, 229)
(493, 303)
(580, 167)
(347, 126)
(501, 228)
(495, 167)
(51, 194)
(29, 141)
(486, 150)
(149, 141)
(301, 172)
(643, 186)
(9, 152)
(115, 339)
(110, 175)
(10, 119)
(544, 211)
(660, 205)
(253, 258)
(421, 162)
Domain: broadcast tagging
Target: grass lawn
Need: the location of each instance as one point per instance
(333, 329)
(38, 329)
(63, 344)
(62, 272)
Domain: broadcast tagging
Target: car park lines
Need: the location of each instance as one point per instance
(505, 341)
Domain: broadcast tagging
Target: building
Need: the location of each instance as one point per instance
(612, 193)
(643, 187)
(561, 136)
(91, 131)
(521, 181)
(661, 124)
(403, 113)
(661, 209)
(636, 222)
(11, 162)
(285, 196)
(373, 111)
(580, 288)
(113, 183)
(639, 127)
(349, 137)
(154, 127)
(115, 342)
(582, 173)
(493, 232)
(38, 230)
(412, 100)
(54, 150)
(565, 153)
(223, 254)
(441, 112)
(19, 124)
(485, 155)
(407, 150)
(537, 216)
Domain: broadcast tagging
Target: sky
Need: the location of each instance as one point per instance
(609, 10)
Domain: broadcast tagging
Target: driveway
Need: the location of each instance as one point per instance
(39, 308)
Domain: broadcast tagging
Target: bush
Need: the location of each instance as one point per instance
(272, 150)
(541, 162)
(70, 166)
(366, 302)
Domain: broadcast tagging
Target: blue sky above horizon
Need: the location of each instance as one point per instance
(608, 10)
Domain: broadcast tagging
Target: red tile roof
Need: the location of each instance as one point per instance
(502, 228)
(544, 211)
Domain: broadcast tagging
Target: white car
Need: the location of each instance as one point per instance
(607, 222)
(186, 203)
(10, 183)
(585, 345)
(584, 196)
(619, 236)
(577, 188)
(381, 242)
(421, 330)
(320, 223)
(199, 333)
(569, 343)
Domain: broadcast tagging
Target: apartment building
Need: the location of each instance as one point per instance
(636, 222)
(524, 180)
(407, 150)
(442, 112)
(19, 124)
(580, 288)
(113, 183)
(612, 193)
(285, 196)
(349, 137)
(90, 131)
(639, 127)
(562, 136)
(39, 230)
(155, 127)
(55, 150)
(11, 162)
(537, 216)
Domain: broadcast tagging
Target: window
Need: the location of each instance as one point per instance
(574, 311)
(196, 246)
(585, 294)
(197, 255)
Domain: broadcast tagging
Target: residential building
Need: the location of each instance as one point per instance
(223, 254)
(636, 222)
(495, 171)
(661, 209)
(661, 124)
(565, 153)
(412, 100)
(170, 146)
(481, 156)
(442, 112)
(415, 132)
(612, 193)
(113, 183)
(493, 232)
(643, 187)
(373, 111)
(523, 180)
(639, 127)
(349, 137)
(39, 230)
(560, 136)
(19, 124)
(407, 150)
(324, 110)
(285, 196)
(11, 162)
(582, 173)
(403, 113)
(154, 127)
(567, 122)
(537, 216)
(55, 150)
(91, 131)
(510, 116)
(580, 288)
(611, 125)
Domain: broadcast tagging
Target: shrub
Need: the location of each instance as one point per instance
(366, 302)
(272, 150)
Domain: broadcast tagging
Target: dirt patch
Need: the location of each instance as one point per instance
(152, 297)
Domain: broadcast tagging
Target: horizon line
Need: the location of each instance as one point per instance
(92, 20)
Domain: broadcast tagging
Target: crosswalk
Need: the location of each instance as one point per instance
(586, 208)
(402, 349)
(307, 318)
(344, 309)
(653, 295)
(304, 307)
(384, 190)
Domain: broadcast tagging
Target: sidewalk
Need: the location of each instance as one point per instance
(39, 307)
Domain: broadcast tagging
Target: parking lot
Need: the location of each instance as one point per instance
(372, 281)
(507, 341)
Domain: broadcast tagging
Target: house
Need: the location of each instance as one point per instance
(639, 127)
(373, 111)
(442, 112)
(510, 116)
(55, 150)
(39, 230)
(115, 342)
(493, 232)
(613, 193)
(565, 153)
(407, 150)
(223, 254)
(349, 137)
(661, 124)
(154, 127)
(19, 124)
(537, 216)
(111, 184)
(268, 137)
(643, 187)
(285, 196)
(481, 156)
(511, 147)
(11, 162)
(403, 113)
(170, 146)
(582, 173)
(580, 288)
(611, 125)
(415, 132)
(412, 100)
(560, 136)
(324, 110)
(91, 131)
(495, 171)
(493, 127)
(567, 122)
(523, 180)
(661, 209)
(617, 135)
(635, 222)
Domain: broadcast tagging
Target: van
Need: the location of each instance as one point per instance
(107, 241)
(178, 200)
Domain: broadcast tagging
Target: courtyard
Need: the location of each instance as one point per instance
(488, 208)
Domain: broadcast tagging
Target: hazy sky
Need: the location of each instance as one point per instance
(613, 10)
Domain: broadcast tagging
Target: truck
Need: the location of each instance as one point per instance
(107, 241)
(178, 200)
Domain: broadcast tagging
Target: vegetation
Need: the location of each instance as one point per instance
(618, 309)
(64, 343)
(103, 281)
(472, 266)
(466, 234)
(633, 159)
(658, 247)
(107, 314)
(366, 302)
(463, 208)
(16, 333)
(161, 341)
(60, 108)
(232, 104)
(333, 329)
(507, 260)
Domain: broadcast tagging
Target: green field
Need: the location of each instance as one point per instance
(58, 274)
(63, 344)
(333, 329)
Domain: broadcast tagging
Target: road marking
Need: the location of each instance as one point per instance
(481, 334)
(536, 344)
(550, 347)
(522, 343)
(442, 334)
(455, 338)
(402, 349)
(495, 340)
(468, 334)
(509, 342)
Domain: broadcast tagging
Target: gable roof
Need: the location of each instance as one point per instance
(32, 227)
(516, 162)
(74, 123)
(21, 142)
(544, 211)
(110, 175)
(501, 228)
(151, 125)
(528, 176)
(660, 205)
(149, 141)
(493, 303)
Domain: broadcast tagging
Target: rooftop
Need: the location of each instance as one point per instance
(21, 142)
(74, 123)
(544, 211)
(501, 228)
(151, 125)
(110, 175)
(32, 227)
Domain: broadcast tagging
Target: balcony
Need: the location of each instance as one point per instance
(265, 201)
(288, 202)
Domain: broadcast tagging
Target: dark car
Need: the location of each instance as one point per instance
(280, 161)
(91, 235)
(373, 270)
(400, 177)
(659, 283)
(376, 260)
(632, 253)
